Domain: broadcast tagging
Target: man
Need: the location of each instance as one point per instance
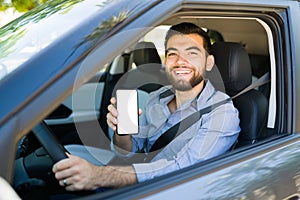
(186, 60)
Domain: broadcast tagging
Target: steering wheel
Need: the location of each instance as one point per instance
(33, 171)
(55, 150)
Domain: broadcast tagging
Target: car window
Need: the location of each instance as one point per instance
(241, 30)
(28, 37)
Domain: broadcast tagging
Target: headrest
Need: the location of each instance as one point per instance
(145, 53)
(260, 64)
(233, 63)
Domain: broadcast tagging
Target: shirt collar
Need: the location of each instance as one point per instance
(199, 102)
(205, 96)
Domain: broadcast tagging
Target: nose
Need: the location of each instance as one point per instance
(181, 60)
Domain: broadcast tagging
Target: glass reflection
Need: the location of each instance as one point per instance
(24, 37)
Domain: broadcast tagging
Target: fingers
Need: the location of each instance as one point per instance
(61, 165)
(113, 100)
(111, 117)
(75, 173)
(112, 110)
(70, 184)
(65, 182)
(62, 169)
(66, 169)
(109, 120)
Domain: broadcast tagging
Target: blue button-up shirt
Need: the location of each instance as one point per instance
(211, 136)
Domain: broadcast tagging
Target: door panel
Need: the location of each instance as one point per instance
(79, 113)
(84, 105)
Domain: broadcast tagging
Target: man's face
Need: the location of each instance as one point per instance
(185, 61)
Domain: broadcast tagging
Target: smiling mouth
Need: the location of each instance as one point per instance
(182, 71)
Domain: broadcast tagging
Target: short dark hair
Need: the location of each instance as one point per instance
(189, 28)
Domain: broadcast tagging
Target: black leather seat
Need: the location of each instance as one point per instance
(233, 63)
(148, 74)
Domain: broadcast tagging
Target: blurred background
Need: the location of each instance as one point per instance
(10, 9)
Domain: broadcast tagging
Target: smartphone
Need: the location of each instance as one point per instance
(127, 106)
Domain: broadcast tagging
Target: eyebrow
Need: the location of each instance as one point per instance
(194, 48)
(187, 49)
(171, 49)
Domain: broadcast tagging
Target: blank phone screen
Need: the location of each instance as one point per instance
(127, 106)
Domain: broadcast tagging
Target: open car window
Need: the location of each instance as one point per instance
(102, 87)
(240, 30)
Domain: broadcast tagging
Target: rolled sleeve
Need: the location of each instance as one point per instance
(137, 145)
(147, 171)
(118, 153)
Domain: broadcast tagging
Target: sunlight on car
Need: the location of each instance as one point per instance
(26, 39)
(157, 37)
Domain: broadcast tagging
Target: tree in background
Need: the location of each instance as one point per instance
(11, 9)
(20, 5)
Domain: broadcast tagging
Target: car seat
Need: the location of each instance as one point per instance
(260, 65)
(147, 76)
(233, 63)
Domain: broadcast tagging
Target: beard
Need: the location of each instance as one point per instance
(185, 85)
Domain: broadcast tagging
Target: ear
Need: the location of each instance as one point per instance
(210, 61)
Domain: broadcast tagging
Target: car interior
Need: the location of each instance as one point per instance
(242, 54)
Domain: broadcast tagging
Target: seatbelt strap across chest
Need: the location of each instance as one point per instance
(181, 126)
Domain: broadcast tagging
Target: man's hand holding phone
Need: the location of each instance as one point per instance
(111, 117)
(122, 140)
(127, 107)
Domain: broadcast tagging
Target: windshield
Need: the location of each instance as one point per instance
(24, 37)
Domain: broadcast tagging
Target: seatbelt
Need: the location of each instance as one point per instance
(181, 126)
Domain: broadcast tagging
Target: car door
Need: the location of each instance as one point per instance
(44, 53)
(242, 173)
(81, 108)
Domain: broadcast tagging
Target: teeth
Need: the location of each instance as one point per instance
(183, 72)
